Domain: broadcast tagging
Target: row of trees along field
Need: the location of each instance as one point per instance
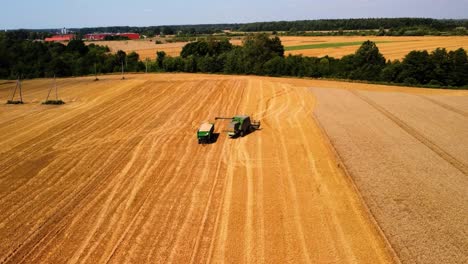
(360, 26)
(387, 26)
(33, 59)
(260, 54)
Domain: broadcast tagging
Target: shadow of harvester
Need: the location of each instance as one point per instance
(246, 134)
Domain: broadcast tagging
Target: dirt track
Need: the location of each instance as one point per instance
(116, 175)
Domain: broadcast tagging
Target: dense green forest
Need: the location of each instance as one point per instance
(395, 24)
(263, 55)
(260, 54)
(360, 26)
(33, 59)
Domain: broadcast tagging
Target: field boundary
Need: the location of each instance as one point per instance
(7, 82)
(414, 133)
(349, 176)
(329, 45)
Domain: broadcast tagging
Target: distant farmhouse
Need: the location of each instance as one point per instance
(102, 36)
(98, 36)
(60, 38)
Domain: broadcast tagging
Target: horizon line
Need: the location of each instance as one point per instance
(228, 23)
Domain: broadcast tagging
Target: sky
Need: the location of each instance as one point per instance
(42, 14)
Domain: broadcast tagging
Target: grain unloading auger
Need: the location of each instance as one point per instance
(240, 125)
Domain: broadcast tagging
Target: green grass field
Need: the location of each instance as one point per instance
(328, 45)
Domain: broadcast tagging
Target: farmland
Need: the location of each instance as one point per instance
(325, 45)
(408, 156)
(116, 174)
(146, 49)
(391, 47)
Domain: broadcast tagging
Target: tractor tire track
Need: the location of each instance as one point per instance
(123, 180)
(444, 105)
(420, 137)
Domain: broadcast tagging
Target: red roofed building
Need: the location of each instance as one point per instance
(95, 36)
(131, 35)
(60, 38)
(102, 36)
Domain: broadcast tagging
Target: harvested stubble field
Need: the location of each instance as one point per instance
(145, 48)
(391, 47)
(408, 155)
(116, 174)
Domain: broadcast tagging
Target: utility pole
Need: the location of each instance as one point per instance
(48, 94)
(14, 91)
(123, 77)
(50, 90)
(95, 73)
(17, 87)
(56, 92)
(56, 101)
(21, 91)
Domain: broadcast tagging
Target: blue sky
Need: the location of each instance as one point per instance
(90, 13)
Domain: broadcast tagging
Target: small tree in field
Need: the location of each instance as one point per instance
(367, 62)
(160, 56)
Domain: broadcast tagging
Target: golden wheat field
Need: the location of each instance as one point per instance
(391, 47)
(338, 173)
(145, 48)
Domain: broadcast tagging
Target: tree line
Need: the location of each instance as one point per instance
(260, 54)
(355, 24)
(151, 31)
(359, 26)
(34, 59)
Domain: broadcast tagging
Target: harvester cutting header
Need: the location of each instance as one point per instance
(240, 125)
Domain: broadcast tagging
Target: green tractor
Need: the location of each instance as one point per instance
(240, 125)
(205, 133)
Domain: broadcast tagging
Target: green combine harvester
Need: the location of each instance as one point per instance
(205, 133)
(240, 125)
